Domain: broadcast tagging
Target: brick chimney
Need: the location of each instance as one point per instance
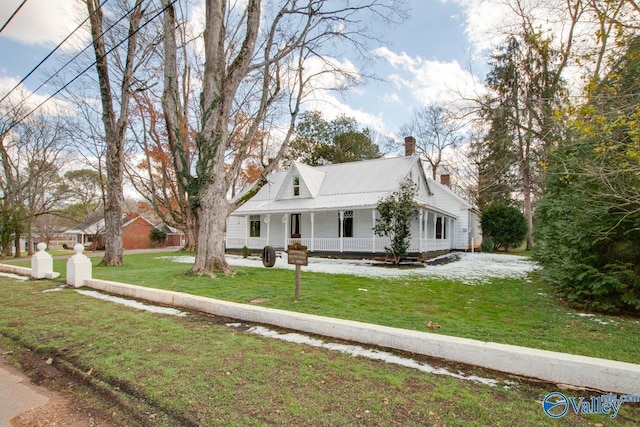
(409, 146)
(445, 179)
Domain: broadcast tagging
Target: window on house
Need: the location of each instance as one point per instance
(295, 226)
(296, 185)
(441, 227)
(347, 224)
(254, 226)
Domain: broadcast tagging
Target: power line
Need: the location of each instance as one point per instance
(61, 68)
(15, 12)
(47, 57)
(15, 123)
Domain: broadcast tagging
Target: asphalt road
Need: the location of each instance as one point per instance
(17, 394)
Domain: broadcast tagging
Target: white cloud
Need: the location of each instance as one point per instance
(27, 100)
(392, 98)
(42, 22)
(430, 81)
(485, 22)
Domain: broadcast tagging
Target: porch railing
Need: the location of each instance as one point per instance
(348, 244)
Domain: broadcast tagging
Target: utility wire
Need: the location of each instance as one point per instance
(12, 15)
(47, 57)
(15, 123)
(67, 63)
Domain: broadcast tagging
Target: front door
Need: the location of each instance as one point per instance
(295, 226)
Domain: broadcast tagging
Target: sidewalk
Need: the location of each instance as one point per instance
(17, 394)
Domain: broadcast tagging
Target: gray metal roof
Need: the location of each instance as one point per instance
(344, 185)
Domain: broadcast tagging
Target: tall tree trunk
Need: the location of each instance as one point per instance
(176, 122)
(115, 127)
(212, 216)
(527, 205)
(16, 242)
(220, 85)
(191, 232)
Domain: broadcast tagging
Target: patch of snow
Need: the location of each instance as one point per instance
(14, 276)
(132, 303)
(59, 288)
(594, 318)
(358, 351)
(471, 268)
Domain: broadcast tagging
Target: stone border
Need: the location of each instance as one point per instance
(562, 368)
(14, 269)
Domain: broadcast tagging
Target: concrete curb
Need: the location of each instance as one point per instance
(579, 371)
(23, 271)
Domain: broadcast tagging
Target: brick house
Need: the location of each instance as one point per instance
(136, 230)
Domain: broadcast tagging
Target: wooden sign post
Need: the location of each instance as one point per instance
(297, 255)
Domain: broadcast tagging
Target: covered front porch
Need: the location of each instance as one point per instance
(335, 232)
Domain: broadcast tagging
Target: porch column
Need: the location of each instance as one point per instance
(285, 220)
(267, 220)
(341, 230)
(453, 237)
(373, 233)
(421, 219)
(246, 230)
(313, 216)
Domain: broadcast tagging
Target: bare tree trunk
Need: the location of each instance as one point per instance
(16, 242)
(212, 215)
(219, 88)
(528, 206)
(177, 123)
(191, 233)
(115, 127)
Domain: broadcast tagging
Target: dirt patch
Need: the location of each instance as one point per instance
(59, 411)
(64, 408)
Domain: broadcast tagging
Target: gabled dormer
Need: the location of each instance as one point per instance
(301, 182)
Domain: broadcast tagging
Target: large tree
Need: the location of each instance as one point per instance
(588, 222)
(319, 142)
(526, 90)
(115, 113)
(32, 152)
(435, 129)
(258, 61)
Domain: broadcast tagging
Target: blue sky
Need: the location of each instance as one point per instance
(426, 60)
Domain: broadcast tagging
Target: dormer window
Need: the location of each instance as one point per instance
(296, 185)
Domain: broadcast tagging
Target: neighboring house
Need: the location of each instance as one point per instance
(332, 210)
(175, 237)
(135, 233)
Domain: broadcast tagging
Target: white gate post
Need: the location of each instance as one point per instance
(42, 264)
(78, 267)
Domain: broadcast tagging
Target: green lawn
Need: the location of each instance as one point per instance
(163, 370)
(510, 311)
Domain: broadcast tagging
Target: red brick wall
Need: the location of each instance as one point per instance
(135, 235)
(173, 240)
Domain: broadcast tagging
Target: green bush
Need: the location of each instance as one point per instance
(487, 244)
(504, 225)
(157, 237)
(245, 252)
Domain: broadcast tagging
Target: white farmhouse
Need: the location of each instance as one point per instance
(332, 210)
